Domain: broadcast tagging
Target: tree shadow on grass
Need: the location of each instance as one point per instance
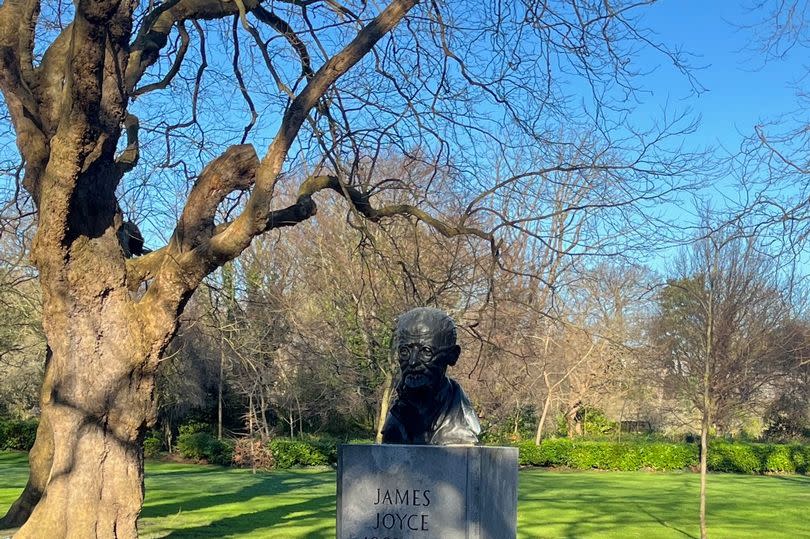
(186, 470)
(664, 522)
(263, 485)
(801, 479)
(315, 510)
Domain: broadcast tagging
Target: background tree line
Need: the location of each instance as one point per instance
(294, 338)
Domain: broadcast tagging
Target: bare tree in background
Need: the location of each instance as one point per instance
(455, 83)
(720, 332)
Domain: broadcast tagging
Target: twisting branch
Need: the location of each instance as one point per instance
(305, 208)
(178, 62)
(15, 68)
(238, 74)
(252, 221)
(27, 25)
(51, 77)
(179, 267)
(282, 27)
(154, 33)
(129, 157)
(233, 171)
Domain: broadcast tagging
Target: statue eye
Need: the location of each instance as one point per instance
(426, 352)
(404, 352)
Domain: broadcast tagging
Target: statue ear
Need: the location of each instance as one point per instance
(452, 355)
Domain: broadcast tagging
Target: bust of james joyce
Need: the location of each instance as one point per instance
(429, 408)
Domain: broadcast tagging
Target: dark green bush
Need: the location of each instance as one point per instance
(17, 435)
(193, 445)
(288, 453)
(737, 457)
(204, 446)
(746, 457)
(152, 445)
(193, 427)
(220, 452)
(800, 455)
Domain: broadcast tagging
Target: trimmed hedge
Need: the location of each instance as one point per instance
(741, 457)
(621, 456)
(17, 435)
(724, 456)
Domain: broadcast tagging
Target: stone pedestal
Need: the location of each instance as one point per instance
(426, 492)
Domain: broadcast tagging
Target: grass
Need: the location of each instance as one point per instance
(186, 501)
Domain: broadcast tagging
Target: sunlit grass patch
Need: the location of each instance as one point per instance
(190, 501)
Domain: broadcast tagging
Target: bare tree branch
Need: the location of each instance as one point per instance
(257, 210)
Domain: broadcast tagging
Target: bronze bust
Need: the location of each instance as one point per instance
(430, 408)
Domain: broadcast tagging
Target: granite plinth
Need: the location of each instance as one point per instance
(426, 492)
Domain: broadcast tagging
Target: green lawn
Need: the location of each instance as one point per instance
(184, 501)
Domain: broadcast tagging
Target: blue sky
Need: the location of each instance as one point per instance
(741, 89)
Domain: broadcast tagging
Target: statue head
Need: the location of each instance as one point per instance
(425, 345)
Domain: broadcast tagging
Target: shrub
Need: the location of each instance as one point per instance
(530, 454)
(800, 455)
(220, 452)
(743, 457)
(152, 445)
(204, 446)
(551, 452)
(664, 456)
(288, 453)
(556, 452)
(193, 427)
(251, 452)
(596, 422)
(193, 445)
(18, 435)
(596, 455)
(734, 457)
(778, 459)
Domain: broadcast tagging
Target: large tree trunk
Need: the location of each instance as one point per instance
(98, 396)
(97, 403)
